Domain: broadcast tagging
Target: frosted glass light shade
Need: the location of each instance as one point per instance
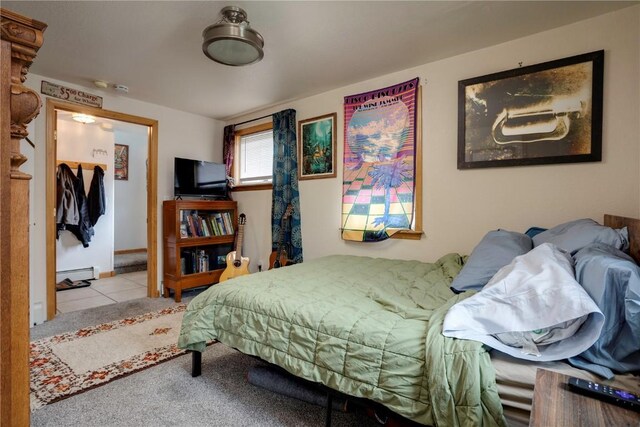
(232, 44)
(83, 118)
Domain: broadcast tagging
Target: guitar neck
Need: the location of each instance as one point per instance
(239, 241)
(281, 238)
(283, 222)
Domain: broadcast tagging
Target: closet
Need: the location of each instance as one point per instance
(103, 214)
(20, 40)
(99, 154)
(84, 194)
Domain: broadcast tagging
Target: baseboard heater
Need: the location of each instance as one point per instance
(79, 274)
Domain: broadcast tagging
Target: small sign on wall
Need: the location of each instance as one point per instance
(121, 162)
(69, 94)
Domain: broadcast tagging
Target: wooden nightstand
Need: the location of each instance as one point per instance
(555, 405)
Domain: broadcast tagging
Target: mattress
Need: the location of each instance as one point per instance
(515, 379)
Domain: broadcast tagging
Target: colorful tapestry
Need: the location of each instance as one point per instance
(379, 162)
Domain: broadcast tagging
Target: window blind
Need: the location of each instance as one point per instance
(256, 157)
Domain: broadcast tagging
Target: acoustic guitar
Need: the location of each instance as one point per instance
(237, 265)
(278, 258)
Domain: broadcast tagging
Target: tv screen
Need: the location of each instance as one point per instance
(198, 178)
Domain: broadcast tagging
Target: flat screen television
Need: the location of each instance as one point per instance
(197, 178)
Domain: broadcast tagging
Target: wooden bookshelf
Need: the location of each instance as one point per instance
(195, 242)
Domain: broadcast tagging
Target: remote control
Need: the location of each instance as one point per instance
(606, 393)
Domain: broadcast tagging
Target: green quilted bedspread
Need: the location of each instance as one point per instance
(368, 327)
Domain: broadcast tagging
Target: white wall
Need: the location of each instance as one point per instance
(130, 196)
(180, 134)
(76, 142)
(460, 206)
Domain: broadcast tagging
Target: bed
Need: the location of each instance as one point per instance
(372, 328)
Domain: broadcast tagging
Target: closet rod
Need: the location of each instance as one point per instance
(85, 165)
(253, 120)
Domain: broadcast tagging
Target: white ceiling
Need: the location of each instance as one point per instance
(154, 47)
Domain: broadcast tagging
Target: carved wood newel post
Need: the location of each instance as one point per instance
(21, 39)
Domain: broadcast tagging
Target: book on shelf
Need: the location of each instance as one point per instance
(226, 217)
(194, 261)
(196, 223)
(203, 227)
(214, 224)
(183, 230)
(203, 261)
(192, 227)
(205, 224)
(217, 223)
(205, 220)
(220, 223)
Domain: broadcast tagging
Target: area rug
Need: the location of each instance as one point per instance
(70, 363)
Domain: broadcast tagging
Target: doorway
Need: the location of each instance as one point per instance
(54, 108)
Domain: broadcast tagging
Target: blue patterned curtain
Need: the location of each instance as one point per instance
(228, 148)
(285, 185)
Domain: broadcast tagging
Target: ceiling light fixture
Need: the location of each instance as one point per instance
(231, 41)
(83, 118)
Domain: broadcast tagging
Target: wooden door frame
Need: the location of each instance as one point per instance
(50, 183)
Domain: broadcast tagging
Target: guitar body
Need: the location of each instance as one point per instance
(276, 261)
(278, 258)
(235, 267)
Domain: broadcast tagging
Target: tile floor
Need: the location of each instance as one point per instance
(110, 290)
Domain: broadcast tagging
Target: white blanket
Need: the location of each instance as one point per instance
(532, 309)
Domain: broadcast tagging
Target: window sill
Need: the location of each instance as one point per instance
(408, 235)
(252, 187)
(405, 234)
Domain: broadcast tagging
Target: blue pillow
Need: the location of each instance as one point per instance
(534, 231)
(574, 235)
(496, 249)
(612, 280)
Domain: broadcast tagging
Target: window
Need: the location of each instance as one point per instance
(253, 163)
(256, 157)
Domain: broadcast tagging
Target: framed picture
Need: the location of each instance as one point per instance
(121, 162)
(317, 147)
(540, 114)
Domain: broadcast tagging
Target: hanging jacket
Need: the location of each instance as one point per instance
(96, 198)
(66, 204)
(83, 230)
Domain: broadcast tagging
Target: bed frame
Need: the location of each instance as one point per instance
(633, 225)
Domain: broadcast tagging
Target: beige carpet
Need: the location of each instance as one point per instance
(67, 364)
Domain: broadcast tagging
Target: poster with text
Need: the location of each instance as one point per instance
(379, 162)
